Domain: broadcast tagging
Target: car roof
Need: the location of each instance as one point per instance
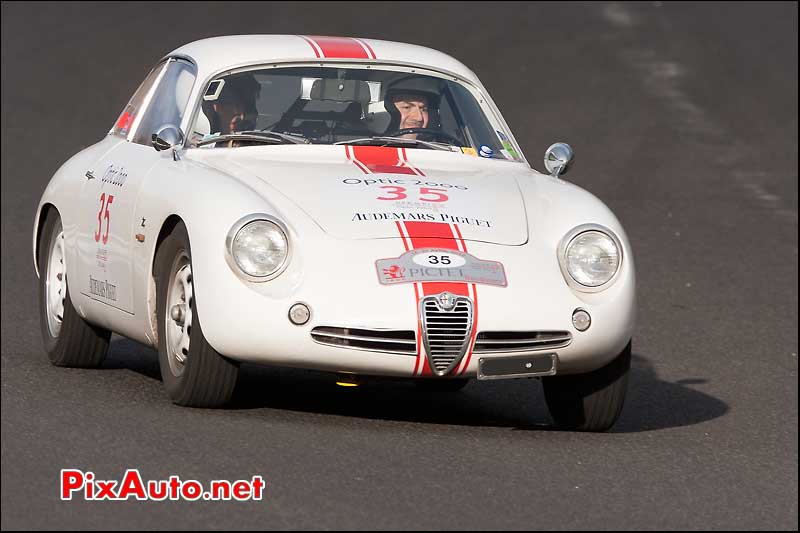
(217, 54)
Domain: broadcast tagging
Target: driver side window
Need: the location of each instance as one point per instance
(126, 119)
(166, 103)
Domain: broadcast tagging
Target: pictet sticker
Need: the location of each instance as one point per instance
(433, 264)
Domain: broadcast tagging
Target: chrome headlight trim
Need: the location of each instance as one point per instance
(241, 223)
(562, 256)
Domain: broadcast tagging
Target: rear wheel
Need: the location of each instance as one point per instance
(68, 339)
(591, 401)
(194, 374)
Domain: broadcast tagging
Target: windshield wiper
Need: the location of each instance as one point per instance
(268, 137)
(295, 138)
(388, 141)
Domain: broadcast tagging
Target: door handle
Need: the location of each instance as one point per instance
(89, 175)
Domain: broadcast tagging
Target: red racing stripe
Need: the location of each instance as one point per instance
(433, 235)
(312, 44)
(468, 356)
(416, 295)
(440, 235)
(419, 334)
(369, 49)
(402, 235)
(381, 160)
(340, 47)
(460, 370)
(419, 235)
(404, 162)
(350, 157)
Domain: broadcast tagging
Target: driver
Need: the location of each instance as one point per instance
(413, 110)
(412, 102)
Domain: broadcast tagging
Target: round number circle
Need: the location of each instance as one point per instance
(439, 260)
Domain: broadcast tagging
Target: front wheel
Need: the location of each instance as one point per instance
(591, 401)
(68, 339)
(194, 374)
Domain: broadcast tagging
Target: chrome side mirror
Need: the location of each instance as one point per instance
(557, 159)
(168, 137)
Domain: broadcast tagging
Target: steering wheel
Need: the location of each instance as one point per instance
(436, 134)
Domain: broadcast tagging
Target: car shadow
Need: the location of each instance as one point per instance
(651, 402)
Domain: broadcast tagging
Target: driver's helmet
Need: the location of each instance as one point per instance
(427, 87)
(241, 88)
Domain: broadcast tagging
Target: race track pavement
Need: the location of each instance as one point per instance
(684, 121)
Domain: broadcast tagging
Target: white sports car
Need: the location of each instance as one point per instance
(340, 204)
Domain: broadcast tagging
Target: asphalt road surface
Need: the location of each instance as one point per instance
(684, 121)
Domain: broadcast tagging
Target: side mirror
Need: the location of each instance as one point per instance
(557, 159)
(167, 138)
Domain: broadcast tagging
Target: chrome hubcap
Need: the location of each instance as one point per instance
(56, 284)
(179, 314)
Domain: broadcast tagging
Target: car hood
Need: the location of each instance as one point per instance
(371, 192)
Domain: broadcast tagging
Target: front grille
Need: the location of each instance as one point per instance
(520, 341)
(378, 340)
(446, 333)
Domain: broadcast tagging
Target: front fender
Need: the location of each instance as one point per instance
(554, 208)
(209, 202)
(63, 192)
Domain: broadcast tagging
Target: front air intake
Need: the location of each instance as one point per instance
(520, 341)
(377, 340)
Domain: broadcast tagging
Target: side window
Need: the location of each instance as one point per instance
(167, 103)
(123, 125)
(448, 119)
(478, 127)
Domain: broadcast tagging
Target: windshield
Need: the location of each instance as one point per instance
(336, 105)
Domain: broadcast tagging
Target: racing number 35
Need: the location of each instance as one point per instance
(105, 203)
(439, 259)
(399, 193)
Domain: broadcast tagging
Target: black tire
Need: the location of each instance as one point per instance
(206, 378)
(591, 401)
(75, 343)
(441, 385)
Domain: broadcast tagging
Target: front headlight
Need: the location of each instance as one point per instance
(591, 257)
(259, 248)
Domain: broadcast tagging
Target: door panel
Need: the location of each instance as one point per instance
(105, 230)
